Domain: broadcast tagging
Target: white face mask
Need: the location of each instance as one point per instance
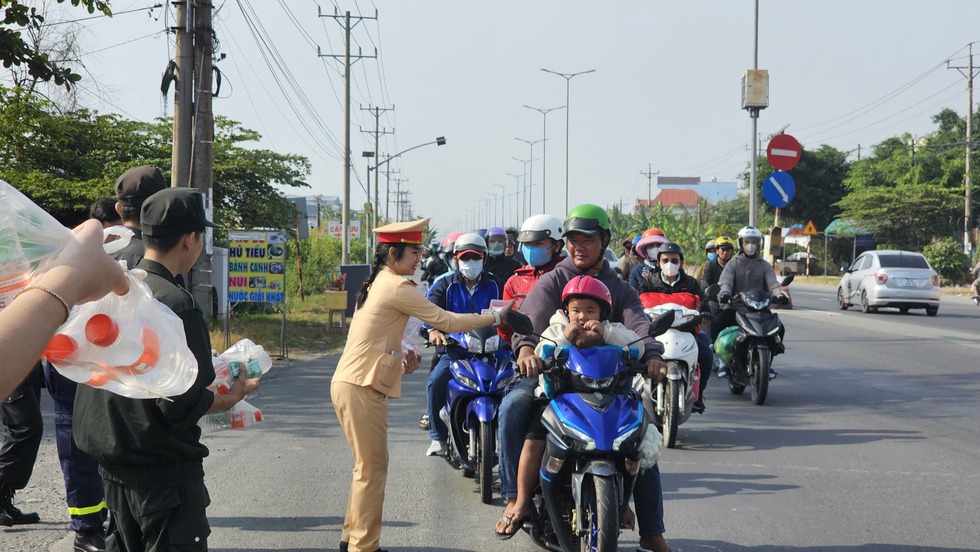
(652, 252)
(670, 269)
(471, 270)
(750, 249)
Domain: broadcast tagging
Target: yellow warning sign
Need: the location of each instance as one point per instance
(810, 229)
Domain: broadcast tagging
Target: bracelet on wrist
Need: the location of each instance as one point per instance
(50, 292)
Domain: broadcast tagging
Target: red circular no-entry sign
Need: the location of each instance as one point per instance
(783, 152)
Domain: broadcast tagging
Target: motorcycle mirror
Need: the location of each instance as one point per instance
(661, 324)
(520, 323)
(712, 290)
(789, 278)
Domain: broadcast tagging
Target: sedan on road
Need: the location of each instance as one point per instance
(887, 278)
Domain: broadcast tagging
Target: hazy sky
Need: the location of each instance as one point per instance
(665, 91)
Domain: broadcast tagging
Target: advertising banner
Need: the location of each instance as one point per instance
(336, 229)
(256, 266)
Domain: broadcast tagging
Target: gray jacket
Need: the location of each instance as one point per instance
(742, 273)
(545, 298)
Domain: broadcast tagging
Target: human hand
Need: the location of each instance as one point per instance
(781, 299)
(528, 363)
(656, 369)
(410, 361)
(437, 338)
(505, 310)
(83, 272)
(242, 386)
(572, 329)
(724, 297)
(595, 326)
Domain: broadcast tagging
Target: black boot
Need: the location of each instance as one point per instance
(9, 514)
(90, 541)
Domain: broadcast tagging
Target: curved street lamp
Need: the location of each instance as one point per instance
(568, 78)
(544, 152)
(439, 141)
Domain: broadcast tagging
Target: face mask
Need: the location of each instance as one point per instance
(712, 256)
(750, 249)
(470, 270)
(670, 269)
(536, 256)
(652, 251)
(496, 251)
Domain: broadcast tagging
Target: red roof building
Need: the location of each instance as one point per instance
(681, 201)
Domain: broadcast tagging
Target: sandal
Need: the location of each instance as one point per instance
(508, 522)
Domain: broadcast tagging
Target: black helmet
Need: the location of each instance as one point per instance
(670, 247)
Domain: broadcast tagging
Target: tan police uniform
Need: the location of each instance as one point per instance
(369, 372)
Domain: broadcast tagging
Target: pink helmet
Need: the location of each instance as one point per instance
(587, 286)
(653, 239)
(447, 244)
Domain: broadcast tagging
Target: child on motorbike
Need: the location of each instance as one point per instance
(582, 322)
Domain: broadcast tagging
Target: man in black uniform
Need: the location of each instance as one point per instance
(132, 189)
(149, 451)
(21, 416)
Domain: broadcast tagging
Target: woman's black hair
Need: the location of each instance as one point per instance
(380, 259)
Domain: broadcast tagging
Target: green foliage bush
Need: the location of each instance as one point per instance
(947, 258)
(320, 254)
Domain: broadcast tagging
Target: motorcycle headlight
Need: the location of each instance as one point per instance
(504, 381)
(774, 330)
(598, 384)
(491, 345)
(465, 380)
(618, 442)
(757, 305)
(473, 344)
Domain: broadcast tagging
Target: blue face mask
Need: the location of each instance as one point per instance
(536, 256)
(712, 256)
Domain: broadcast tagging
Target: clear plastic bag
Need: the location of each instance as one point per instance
(29, 238)
(240, 416)
(116, 238)
(131, 344)
(244, 354)
(411, 337)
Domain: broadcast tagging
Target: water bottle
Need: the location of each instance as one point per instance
(215, 422)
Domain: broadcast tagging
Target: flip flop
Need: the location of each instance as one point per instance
(510, 522)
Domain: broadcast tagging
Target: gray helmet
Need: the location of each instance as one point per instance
(470, 242)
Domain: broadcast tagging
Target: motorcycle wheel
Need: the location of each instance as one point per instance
(467, 472)
(485, 456)
(600, 516)
(760, 375)
(733, 386)
(672, 412)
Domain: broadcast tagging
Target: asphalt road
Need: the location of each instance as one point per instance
(868, 443)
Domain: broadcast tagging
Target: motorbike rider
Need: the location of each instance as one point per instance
(587, 233)
(646, 249)
(711, 252)
(468, 290)
(434, 266)
(498, 263)
(975, 291)
(517, 255)
(582, 321)
(672, 285)
(747, 270)
(724, 249)
(629, 260)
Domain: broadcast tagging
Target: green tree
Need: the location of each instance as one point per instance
(15, 51)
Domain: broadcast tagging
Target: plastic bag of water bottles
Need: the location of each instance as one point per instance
(242, 355)
(412, 336)
(29, 238)
(240, 416)
(131, 344)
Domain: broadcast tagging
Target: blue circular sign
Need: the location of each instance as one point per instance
(778, 189)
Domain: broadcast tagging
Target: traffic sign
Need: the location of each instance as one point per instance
(778, 189)
(810, 229)
(783, 152)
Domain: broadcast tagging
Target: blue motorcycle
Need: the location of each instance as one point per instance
(595, 423)
(481, 369)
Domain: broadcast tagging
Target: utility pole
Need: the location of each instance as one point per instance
(346, 25)
(388, 173)
(400, 198)
(649, 174)
(192, 159)
(377, 133)
(968, 200)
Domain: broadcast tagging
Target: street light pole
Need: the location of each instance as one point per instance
(439, 141)
(530, 171)
(544, 153)
(503, 189)
(517, 196)
(525, 201)
(568, 79)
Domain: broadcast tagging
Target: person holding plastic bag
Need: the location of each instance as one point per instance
(149, 450)
(370, 368)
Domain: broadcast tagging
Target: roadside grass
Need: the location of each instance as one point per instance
(307, 336)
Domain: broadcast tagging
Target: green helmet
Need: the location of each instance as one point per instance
(587, 219)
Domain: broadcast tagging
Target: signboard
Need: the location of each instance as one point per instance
(335, 229)
(810, 229)
(256, 266)
(778, 189)
(783, 152)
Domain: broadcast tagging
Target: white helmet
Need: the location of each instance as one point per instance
(539, 227)
(748, 232)
(470, 242)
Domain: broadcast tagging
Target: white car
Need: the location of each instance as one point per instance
(892, 279)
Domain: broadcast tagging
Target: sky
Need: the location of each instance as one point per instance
(664, 96)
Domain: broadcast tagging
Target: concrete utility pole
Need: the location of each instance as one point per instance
(400, 198)
(388, 173)
(346, 25)
(193, 130)
(968, 200)
(377, 133)
(649, 174)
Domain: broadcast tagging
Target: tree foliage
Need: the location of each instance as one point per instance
(19, 16)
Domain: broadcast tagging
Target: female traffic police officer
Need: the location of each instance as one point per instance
(370, 368)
